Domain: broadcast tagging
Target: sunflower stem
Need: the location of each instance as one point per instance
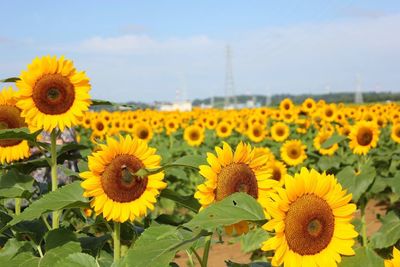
(206, 251)
(17, 206)
(117, 241)
(54, 180)
(363, 206)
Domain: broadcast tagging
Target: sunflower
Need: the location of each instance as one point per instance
(278, 170)
(396, 259)
(286, 105)
(224, 129)
(363, 136)
(99, 127)
(319, 139)
(308, 105)
(142, 130)
(53, 94)
(171, 125)
(396, 132)
(280, 131)
(194, 135)
(256, 132)
(311, 220)
(328, 113)
(241, 170)
(10, 118)
(293, 152)
(116, 192)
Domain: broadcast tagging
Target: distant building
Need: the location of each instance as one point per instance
(178, 106)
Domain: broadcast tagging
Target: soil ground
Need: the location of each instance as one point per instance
(219, 253)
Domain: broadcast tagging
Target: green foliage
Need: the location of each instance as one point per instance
(233, 209)
(389, 233)
(69, 196)
(14, 184)
(364, 257)
(357, 184)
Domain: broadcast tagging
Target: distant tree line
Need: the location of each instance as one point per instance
(368, 97)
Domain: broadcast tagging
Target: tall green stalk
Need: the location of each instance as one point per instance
(206, 251)
(117, 241)
(17, 206)
(54, 179)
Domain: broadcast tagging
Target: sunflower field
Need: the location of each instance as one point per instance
(88, 182)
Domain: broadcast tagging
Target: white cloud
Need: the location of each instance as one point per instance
(289, 59)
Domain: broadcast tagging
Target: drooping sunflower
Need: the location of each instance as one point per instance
(116, 192)
(53, 94)
(395, 261)
(229, 171)
(10, 118)
(320, 138)
(194, 135)
(143, 130)
(311, 220)
(293, 152)
(363, 136)
(395, 135)
(280, 131)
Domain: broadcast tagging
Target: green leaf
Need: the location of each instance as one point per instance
(253, 264)
(364, 257)
(58, 237)
(12, 248)
(93, 244)
(389, 233)
(253, 240)
(66, 197)
(188, 202)
(233, 209)
(190, 161)
(394, 183)
(14, 184)
(105, 259)
(328, 162)
(70, 147)
(30, 230)
(19, 133)
(77, 260)
(157, 246)
(357, 184)
(25, 259)
(10, 80)
(334, 139)
(54, 255)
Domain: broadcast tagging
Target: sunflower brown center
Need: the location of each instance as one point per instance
(236, 177)
(99, 126)
(10, 118)
(309, 225)
(257, 132)
(53, 94)
(328, 112)
(118, 180)
(364, 137)
(294, 153)
(143, 134)
(280, 132)
(224, 129)
(397, 132)
(276, 174)
(194, 135)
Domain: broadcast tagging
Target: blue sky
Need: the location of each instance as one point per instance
(146, 50)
